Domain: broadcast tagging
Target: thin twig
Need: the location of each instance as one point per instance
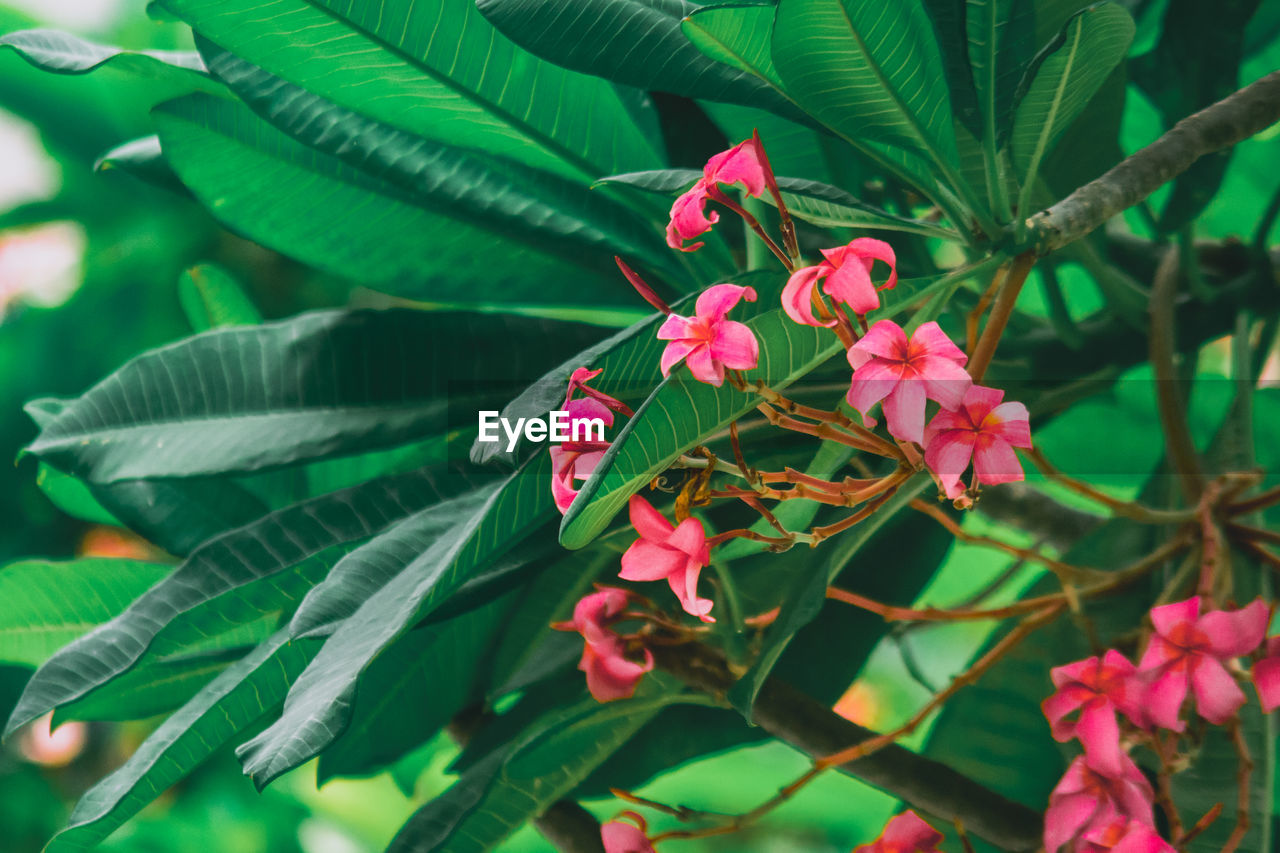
(1236, 731)
(1169, 401)
(1125, 509)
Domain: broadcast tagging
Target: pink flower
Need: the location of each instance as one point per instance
(1266, 676)
(1086, 800)
(610, 675)
(847, 271)
(1098, 687)
(708, 342)
(576, 460)
(904, 373)
(621, 837)
(740, 164)
(1188, 650)
(1122, 835)
(983, 430)
(676, 554)
(904, 833)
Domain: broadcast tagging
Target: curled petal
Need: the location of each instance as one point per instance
(797, 297)
(610, 676)
(739, 164)
(717, 300)
(688, 219)
(851, 284)
(870, 249)
(703, 367)
(685, 585)
(1232, 633)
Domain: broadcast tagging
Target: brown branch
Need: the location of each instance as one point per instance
(1233, 119)
(1169, 401)
(985, 349)
(570, 828)
(812, 728)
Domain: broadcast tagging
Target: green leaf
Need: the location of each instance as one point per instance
(487, 524)
(1000, 45)
(635, 42)
(508, 198)
(235, 579)
(513, 785)
(231, 703)
(736, 35)
(49, 604)
(435, 670)
(436, 69)
(867, 69)
(64, 53)
(72, 496)
(249, 398)
(178, 514)
(143, 159)
(1061, 82)
(348, 223)
(683, 412)
(213, 299)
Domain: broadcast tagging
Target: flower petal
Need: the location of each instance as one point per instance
(645, 561)
(944, 381)
(1009, 421)
(647, 521)
(904, 411)
(1165, 617)
(735, 345)
(849, 283)
(948, 455)
(995, 462)
(930, 340)
(1217, 694)
(703, 367)
(1233, 633)
(886, 339)
(717, 300)
(1266, 680)
(797, 297)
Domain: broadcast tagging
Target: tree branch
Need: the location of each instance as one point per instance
(1231, 120)
(570, 828)
(807, 725)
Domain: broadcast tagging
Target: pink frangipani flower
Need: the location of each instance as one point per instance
(904, 833)
(901, 374)
(1188, 650)
(847, 271)
(578, 384)
(622, 837)
(1098, 687)
(707, 341)
(663, 552)
(741, 164)
(1122, 835)
(576, 460)
(610, 674)
(1086, 800)
(983, 429)
(1266, 676)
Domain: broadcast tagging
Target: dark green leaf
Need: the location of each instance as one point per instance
(213, 299)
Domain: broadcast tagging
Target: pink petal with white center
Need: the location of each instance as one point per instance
(647, 521)
(647, 561)
(1217, 694)
(1009, 422)
(850, 283)
(944, 381)
(735, 345)
(1233, 633)
(719, 299)
(1167, 616)
(904, 411)
(797, 297)
(703, 367)
(885, 339)
(995, 462)
(1266, 680)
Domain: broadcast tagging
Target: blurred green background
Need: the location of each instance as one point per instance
(89, 261)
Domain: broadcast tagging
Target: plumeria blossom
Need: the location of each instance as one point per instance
(610, 674)
(707, 341)
(663, 552)
(741, 164)
(577, 460)
(904, 833)
(1086, 800)
(983, 430)
(901, 374)
(1097, 687)
(1122, 835)
(1188, 650)
(619, 836)
(1266, 676)
(845, 275)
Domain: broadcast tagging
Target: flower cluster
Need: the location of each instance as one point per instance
(610, 673)
(1104, 802)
